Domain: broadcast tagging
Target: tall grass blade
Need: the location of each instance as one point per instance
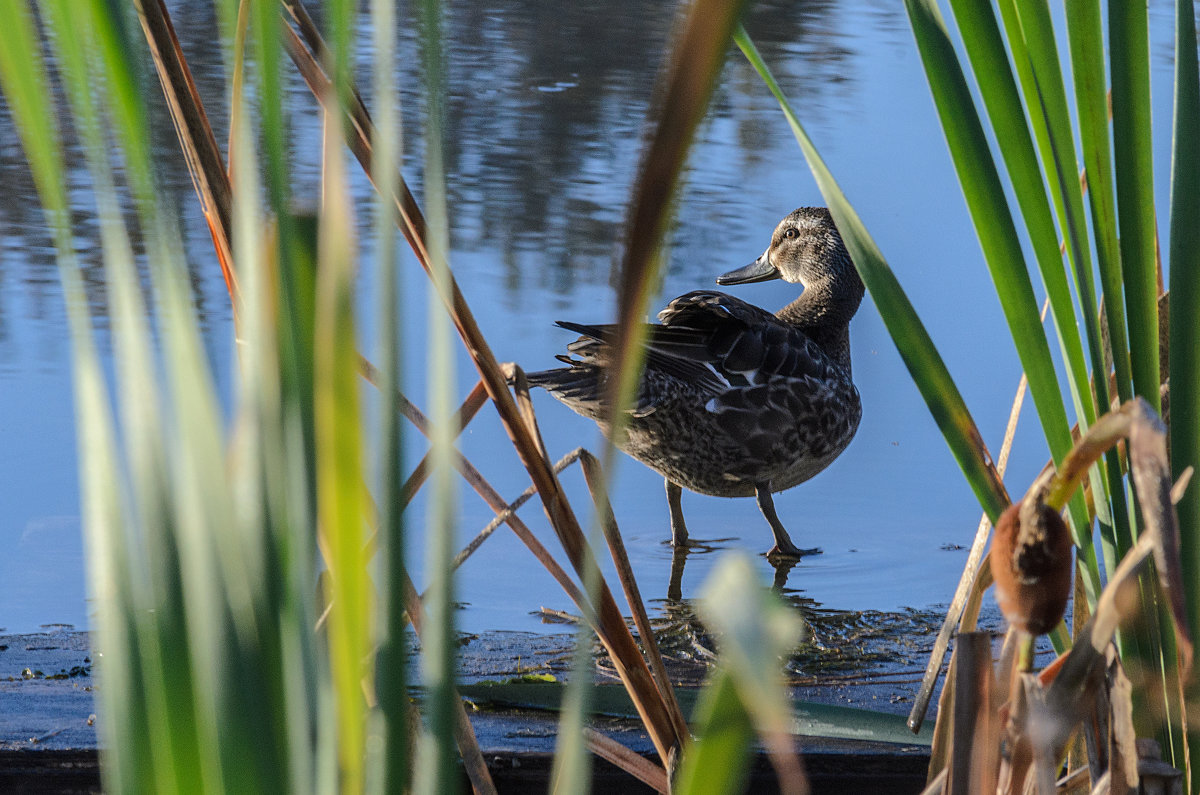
(164, 648)
(1001, 247)
(1129, 66)
(438, 642)
(755, 629)
(695, 62)
(391, 762)
(912, 340)
(984, 45)
(125, 730)
(719, 759)
(613, 632)
(1036, 63)
(1086, 38)
(985, 48)
(1185, 303)
(1045, 96)
(340, 469)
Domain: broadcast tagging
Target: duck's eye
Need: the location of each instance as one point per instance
(791, 234)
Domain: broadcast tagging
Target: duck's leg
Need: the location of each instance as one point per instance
(784, 548)
(679, 531)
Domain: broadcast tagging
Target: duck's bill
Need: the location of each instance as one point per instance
(761, 270)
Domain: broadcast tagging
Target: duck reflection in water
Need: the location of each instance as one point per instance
(679, 555)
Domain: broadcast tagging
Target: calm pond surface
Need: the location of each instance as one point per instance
(546, 120)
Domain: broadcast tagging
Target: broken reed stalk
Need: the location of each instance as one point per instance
(466, 412)
(505, 512)
(972, 568)
(630, 761)
(196, 139)
(650, 703)
(464, 732)
(596, 484)
(974, 754)
(510, 509)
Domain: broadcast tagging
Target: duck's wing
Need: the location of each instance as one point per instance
(737, 356)
(775, 378)
(740, 344)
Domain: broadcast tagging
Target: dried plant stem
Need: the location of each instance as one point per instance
(631, 762)
(505, 512)
(196, 139)
(464, 733)
(973, 756)
(971, 571)
(596, 484)
(510, 509)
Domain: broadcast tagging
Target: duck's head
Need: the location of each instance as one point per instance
(806, 249)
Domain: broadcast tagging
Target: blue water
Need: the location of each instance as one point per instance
(547, 115)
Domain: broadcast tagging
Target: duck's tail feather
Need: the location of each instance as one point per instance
(580, 386)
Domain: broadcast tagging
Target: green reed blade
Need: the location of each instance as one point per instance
(1091, 100)
(339, 452)
(391, 764)
(1001, 247)
(1045, 97)
(985, 48)
(437, 771)
(719, 758)
(983, 42)
(1129, 65)
(1185, 303)
(1086, 39)
(920, 355)
(127, 764)
(340, 469)
(691, 72)
(164, 649)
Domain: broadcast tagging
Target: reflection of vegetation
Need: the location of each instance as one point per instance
(839, 641)
(545, 112)
(834, 641)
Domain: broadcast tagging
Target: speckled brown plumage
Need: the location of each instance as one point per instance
(736, 401)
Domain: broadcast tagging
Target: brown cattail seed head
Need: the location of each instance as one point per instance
(1032, 567)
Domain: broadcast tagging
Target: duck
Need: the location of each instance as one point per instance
(736, 401)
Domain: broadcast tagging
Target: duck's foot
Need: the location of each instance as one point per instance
(688, 543)
(784, 549)
(790, 552)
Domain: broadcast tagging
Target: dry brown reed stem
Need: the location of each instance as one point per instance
(938, 784)
(212, 185)
(1150, 470)
(1071, 696)
(631, 762)
(509, 510)
(973, 755)
(464, 733)
(1044, 712)
(504, 511)
(596, 483)
(195, 134)
(971, 570)
(466, 412)
(610, 627)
